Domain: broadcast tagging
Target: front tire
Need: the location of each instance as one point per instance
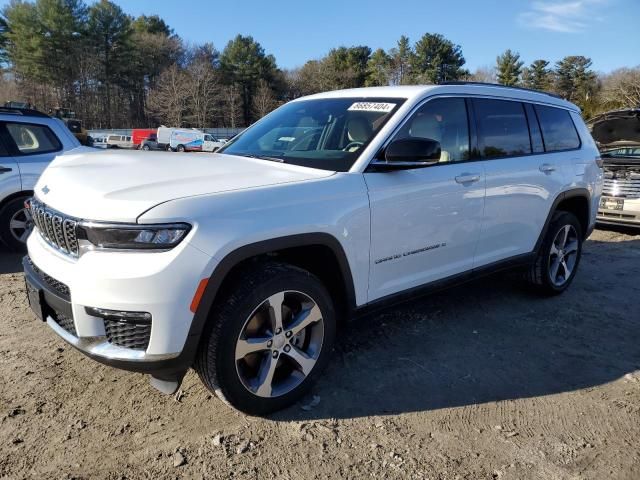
(180, 148)
(268, 339)
(559, 256)
(15, 224)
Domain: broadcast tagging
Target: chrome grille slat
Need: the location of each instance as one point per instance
(621, 188)
(57, 229)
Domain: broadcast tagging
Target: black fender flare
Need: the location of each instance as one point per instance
(574, 192)
(252, 250)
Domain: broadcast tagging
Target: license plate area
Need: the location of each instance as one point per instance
(35, 296)
(609, 203)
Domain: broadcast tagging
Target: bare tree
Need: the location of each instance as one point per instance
(621, 88)
(202, 87)
(486, 74)
(168, 101)
(263, 100)
(232, 106)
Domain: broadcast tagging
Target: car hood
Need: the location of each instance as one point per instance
(617, 128)
(120, 186)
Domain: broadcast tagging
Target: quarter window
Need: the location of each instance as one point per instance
(502, 128)
(558, 130)
(443, 120)
(33, 139)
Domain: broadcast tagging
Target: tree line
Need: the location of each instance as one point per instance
(117, 71)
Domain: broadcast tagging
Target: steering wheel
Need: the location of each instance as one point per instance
(350, 145)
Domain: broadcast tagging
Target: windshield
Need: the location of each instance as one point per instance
(326, 133)
(622, 152)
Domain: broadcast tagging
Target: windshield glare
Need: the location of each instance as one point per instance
(326, 133)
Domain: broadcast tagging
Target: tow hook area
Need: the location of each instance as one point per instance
(168, 387)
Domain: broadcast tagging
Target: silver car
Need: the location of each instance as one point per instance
(29, 141)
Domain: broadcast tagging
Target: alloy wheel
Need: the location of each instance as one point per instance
(21, 225)
(279, 344)
(563, 255)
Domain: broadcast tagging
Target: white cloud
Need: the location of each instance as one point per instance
(568, 16)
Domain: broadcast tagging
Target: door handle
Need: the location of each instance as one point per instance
(547, 168)
(467, 178)
(5, 169)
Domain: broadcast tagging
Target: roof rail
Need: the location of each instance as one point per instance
(487, 84)
(22, 111)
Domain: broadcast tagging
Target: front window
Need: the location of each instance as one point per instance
(327, 133)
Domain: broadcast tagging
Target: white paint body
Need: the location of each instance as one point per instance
(235, 201)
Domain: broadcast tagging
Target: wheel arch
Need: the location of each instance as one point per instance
(21, 193)
(320, 253)
(576, 201)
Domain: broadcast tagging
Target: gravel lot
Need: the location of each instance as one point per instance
(482, 381)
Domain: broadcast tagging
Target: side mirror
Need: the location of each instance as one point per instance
(409, 153)
(413, 150)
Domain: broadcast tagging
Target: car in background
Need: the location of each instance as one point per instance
(617, 134)
(139, 135)
(99, 141)
(194, 141)
(29, 141)
(152, 143)
(120, 141)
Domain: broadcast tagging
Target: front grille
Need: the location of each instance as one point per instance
(56, 285)
(66, 323)
(128, 335)
(57, 229)
(622, 181)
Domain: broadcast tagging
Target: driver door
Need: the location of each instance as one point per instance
(425, 222)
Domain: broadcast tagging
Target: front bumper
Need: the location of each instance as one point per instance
(629, 215)
(159, 283)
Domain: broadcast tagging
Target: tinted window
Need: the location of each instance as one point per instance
(534, 129)
(444, 120)
(33, 139)
(3, 151)
(502, 128)
(558, 130)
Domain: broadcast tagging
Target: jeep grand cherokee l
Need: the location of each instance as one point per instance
(242, 264)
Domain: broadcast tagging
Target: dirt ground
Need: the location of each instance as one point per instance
(485, 381)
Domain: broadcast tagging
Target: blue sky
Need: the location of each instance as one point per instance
(608, 31)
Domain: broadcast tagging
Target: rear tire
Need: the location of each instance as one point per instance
(15, 224)
(244, 360)
(146, 148)
(559, 255)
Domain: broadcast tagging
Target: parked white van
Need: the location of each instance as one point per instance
(193, 140)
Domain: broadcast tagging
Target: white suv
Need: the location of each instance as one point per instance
(29, 140)
(242, 264)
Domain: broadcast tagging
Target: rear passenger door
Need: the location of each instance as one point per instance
(522, 179)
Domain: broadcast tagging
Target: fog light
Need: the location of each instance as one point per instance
(139, 318)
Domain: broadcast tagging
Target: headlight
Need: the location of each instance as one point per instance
(140, 237)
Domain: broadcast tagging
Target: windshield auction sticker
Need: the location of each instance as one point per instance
(372, 107)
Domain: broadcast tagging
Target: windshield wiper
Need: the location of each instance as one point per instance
(262, 157)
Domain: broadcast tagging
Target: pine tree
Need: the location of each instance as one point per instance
(378, 69)
(437, 59)
(537, 76)
(509, 68)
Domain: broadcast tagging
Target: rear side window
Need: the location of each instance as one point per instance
(502, 128)
(31, 139)
(3, 150)
(558, 130)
